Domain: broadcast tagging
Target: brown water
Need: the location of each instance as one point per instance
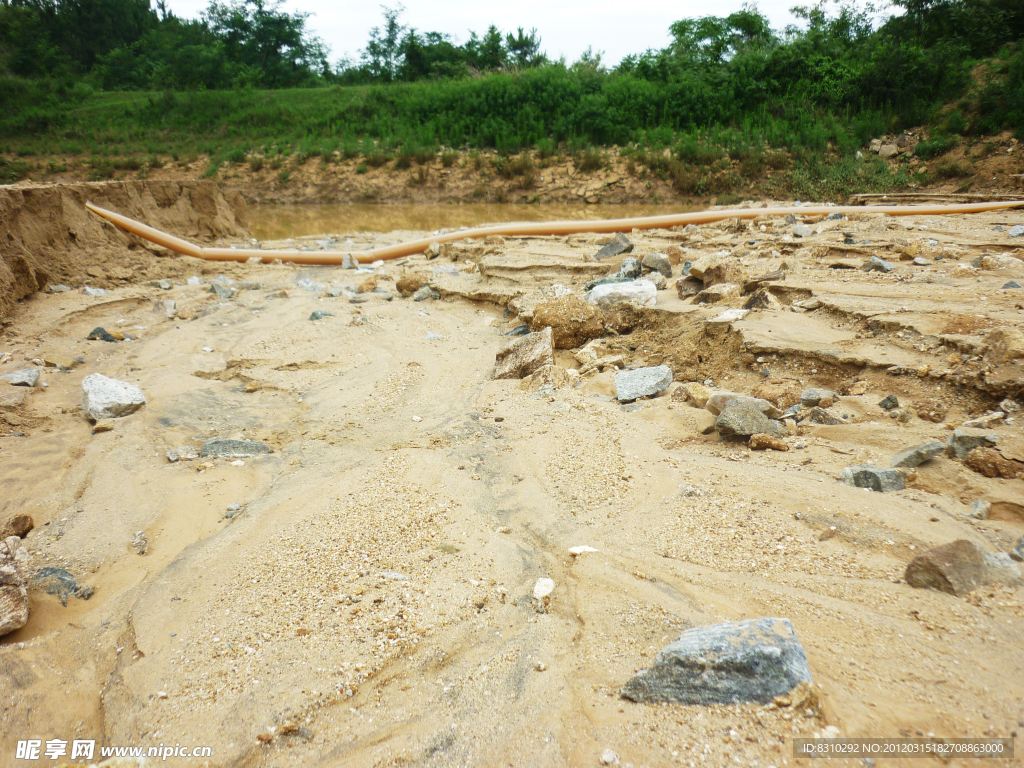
(277, 222)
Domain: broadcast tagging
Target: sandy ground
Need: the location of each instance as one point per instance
(370, 603)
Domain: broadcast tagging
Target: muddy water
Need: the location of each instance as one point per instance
(277, 222)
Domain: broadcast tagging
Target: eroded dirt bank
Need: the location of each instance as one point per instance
(50, 238)
(370, 600)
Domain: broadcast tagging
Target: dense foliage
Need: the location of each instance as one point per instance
(117, 75)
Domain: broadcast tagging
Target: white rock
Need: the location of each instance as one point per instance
(643, 292)
(729, 316)
(543, 589)
(609, 757)
(574, 551)
(105, 398)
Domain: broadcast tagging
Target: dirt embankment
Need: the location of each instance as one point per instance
(52, 239)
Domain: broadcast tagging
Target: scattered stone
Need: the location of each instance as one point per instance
(808, 304)
(802, 230)
(424, 293)
(643, 292)
(875, 478)
(729, 663)
(542, 593)
(1017, 553)
(763, 299)
(1010, 406)
(743, 420)
(19, 525)
(57, 581)
(889, 402)
(100, 334)
(818, 415)
(658, 279)
(693, 392)
(642, 382)
(618, 245)
(875, 264)
(834, 217)
(630, 269)
(706, 263)
(990, 463)
(58, 288)
(223, 292)
(105, 425)
(519, 330)
(349, 261)
(140, 543)
(920, 261)
(1011, 285)
(591, 284)
(105, 398)
(963, 441)
(582, 549)
(887, 150)
(918, 455)
(432, 251)
(93, 291)
(757, 283)
(761, 442)
(14, 605)
(717, 293)
(551, 375)
(979, 509)
(813, 396)
(658, 262)
(304, 283)
(185, 453)
(987, 421)
(232, 449)
(320, 314)
(960, 567)
(717, 401)
(609, 757)
(1017, 231)
(524, 355)
(729, 316)
(688, 286)
(26, 377)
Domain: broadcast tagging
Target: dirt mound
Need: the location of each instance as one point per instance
(51, 238)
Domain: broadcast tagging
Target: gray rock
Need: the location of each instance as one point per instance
(165, 285)
(424, 293)
(802, 230)
(743, 420)
(875, 478)
(918, 455)
(818, 415)
(979, 509)
(222, 291)
(58, 288)
(718, 400)
(140, 543)
(963, 441)
(619, 244)
(105, 398)
(184, 453)
(630, 268)
(591, 284)
(524, 355)
(57, 581)
(686, 267)
(1011, 285)
(643, 292)
(227, 448)
(26, 377)
(811, 397)
(658, 279)
(99, 333)
(642, 382)
(320, 314)
(889, 402)
(519, 330)
(14, 604)
(1010, 406)
(875, 264)
(658, 262)
(1017, 231)
(93, 291)
(341, 290)
(921, 261)
(960, 567)
(1017, 553)
(834, 217)
(790, 218)
(730, 663)
(347, 262)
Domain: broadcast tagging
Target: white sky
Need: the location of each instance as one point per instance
(566, 28)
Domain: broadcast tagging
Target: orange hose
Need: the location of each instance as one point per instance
(538, 228)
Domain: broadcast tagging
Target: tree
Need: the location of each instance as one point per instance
(383, 55)
(524, 49)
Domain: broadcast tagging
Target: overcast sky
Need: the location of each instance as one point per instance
(566, 28)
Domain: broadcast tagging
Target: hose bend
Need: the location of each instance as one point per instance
(537, 228)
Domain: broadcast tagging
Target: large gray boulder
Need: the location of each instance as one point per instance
(964, 440)
(960, 567)
(105, 398)
(743, 420)
(731, 663)
(524, 355)
(642, 382)
(26, 377)
(875, 478)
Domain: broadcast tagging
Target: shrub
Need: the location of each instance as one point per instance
(256, 163)
(448, 159)
(361, 168)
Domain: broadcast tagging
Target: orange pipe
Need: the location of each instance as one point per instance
(538, 228)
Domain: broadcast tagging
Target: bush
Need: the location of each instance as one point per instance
(939, 145)
(361, 168)
(256, 163)
(590, 160)
(448, 159)
(510, 168)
